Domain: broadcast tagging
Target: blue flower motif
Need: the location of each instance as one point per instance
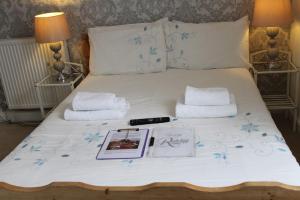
(279, 139)
(127, 162)
(221, 156)
(153, 51)
(26, 142)
(39, 162)
(185, 36)
(199, 144)
(93, 137)
(137, 40)
(250, 127)
(35, 148)
(281, 149)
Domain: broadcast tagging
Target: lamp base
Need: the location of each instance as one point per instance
(58, 65)
(273, 51)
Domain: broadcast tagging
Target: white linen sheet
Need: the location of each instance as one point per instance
(229, 151)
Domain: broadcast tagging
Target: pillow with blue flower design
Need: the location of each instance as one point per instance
(133, 48)
(208, 45)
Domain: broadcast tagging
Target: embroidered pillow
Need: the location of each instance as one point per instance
(208, 45)
(133, 48)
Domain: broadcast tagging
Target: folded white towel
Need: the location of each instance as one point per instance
(206, 96)
(98, 101)
(71, 115)
(188, 111)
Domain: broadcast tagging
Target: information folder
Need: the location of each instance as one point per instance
(173, 142)
(124, 144)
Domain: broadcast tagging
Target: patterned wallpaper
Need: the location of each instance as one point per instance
(16, 17)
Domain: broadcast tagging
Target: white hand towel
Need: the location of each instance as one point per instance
(188, 111)
(206, 96)
(97, 101)
(71, 115)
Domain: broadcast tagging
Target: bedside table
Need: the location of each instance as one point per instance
(285, 101)
(51, 81)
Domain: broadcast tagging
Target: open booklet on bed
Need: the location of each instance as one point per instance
(173, 142)
(124, 144)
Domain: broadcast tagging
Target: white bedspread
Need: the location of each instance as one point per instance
(229, 150)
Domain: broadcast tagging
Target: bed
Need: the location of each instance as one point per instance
(150, 64)
(242, 157)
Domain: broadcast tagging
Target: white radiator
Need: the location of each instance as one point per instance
(22, 63)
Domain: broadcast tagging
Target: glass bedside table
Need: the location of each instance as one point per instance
(289, 100)
(51, 81)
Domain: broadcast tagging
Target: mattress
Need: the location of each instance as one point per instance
(229, 151)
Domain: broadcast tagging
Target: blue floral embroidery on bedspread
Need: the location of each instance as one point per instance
(93, 137)
(279, 139)
(250, 127)
(34, 148)
(281, 149)
(25, 142)
(127, 162)
(221, 156)
(199, 144)
(39, 162)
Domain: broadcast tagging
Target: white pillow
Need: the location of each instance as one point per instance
(133, 48)
(208, 45)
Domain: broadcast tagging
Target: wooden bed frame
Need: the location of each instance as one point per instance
(155, 191)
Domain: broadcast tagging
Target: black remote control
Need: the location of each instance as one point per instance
(136, 122)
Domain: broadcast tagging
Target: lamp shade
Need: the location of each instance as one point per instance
(51, 27)
(272, 13)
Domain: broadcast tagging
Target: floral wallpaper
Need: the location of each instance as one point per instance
(16, 17)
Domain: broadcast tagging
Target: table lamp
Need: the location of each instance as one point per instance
(272, 14)
(53, 28)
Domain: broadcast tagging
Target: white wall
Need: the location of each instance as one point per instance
(295, 33)
(295, 39)
(295, 42)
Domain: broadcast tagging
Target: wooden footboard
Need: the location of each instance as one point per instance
(157, 191)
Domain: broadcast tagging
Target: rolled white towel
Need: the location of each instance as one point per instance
(206, 96)
(188, 111)
(84, 101)
(71, 115)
